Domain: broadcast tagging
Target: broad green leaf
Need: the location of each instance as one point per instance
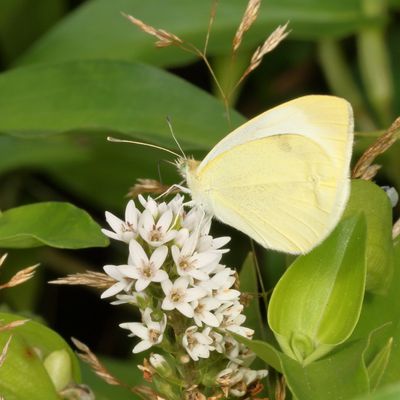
(324, 379)
(35, 18)
(317, 302)
(97, 30)
(391, 392)
(53, 224)
(44, 152)
(109, 97)
(378, 214)
(383, 310)
(391, 304)
(340, 375)
(23, 375)
(248, 285)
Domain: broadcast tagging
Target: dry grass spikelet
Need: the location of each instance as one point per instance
(272, 41)
(364, 169)
(3, 353)
(164, 37)
(396, 229)
(249, 16)
(97, 280)
(98, 368)
(12, 325)
(20, 277)
(150, 186)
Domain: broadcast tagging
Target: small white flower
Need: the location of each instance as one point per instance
(207, 243)
(232, 349)
(135, 299)
(251, 375)
(176, 205)
(121, 274)
(151, 332)
(231, 319)
(218, 341)
(193, 219)
(178, 296)
(147, 270)
(193, 264)
(219, 286)
(123, 230)
(156, 233)
(197, 344)
(150, 205)
(230, 376)
(202, 314)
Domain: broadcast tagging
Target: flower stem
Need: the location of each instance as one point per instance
(340, 80)
(374, 63)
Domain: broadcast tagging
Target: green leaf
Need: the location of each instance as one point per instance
(383, 310)
(109, 97)
(378, 213)
(44, 152)
(341, 375)
(391, 392)
(23, 375)
(53, 224)
(248, 284)
(324, 379)
(35, 18)
(317, 302)
(97, 29)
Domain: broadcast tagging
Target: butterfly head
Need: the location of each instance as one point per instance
(186, 167)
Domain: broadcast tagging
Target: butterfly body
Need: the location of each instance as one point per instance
(283, 177)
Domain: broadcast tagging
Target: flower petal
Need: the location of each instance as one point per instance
(142, 346)
(159, 255)
(139, 257)
(185, 309)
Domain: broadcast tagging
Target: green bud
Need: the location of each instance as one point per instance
(58, 366)
(161, 365)
(302, 346)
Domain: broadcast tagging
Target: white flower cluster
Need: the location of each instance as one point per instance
(174, 272)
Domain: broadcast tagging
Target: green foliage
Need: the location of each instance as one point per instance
(54, 224)
(378, 214)
(23, 374)
(83, 34)
(316, 304)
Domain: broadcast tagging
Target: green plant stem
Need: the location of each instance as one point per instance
(340, 80)
(374, 63)
(229, 69)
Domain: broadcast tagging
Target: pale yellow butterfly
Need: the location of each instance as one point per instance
(283, 177)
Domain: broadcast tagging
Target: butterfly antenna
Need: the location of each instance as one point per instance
(111, 139)
(174, 137)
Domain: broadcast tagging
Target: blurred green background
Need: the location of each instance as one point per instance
(74, 72)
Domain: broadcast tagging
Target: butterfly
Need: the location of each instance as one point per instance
(282, 178)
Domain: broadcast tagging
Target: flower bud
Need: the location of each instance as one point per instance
(58, 366)
(161, 365)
